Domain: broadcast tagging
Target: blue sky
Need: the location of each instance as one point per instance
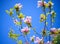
(29, 9)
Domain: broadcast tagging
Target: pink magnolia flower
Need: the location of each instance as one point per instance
(40, 3)
(38, 40)
(25, 30)
(27, 43)
(54, 31)
(58, 30)
(27, 19)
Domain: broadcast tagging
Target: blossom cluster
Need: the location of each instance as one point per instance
(27, 21)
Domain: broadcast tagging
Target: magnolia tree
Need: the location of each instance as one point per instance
(27, 21)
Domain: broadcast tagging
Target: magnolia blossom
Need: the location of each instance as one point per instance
(54, 31)
(15, 20)
(40, 3)
(25, 30)
(27, 43)
(32, 38)
(53, 14)
(18, 6)
(58, 30)
(38, 40)
(48, 42)
(27, 19)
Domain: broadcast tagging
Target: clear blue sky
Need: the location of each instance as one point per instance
(30, 9)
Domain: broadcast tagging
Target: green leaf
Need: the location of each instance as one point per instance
(41, 20)
(20, 42)
(42, 17)
(11, 9)
(53, 20)
(29, 24)
(10, 12)
(18, 23)
(13, 35)
(7, 11)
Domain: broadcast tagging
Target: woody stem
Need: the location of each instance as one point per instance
(21, 23)
(25, 38)
(51, 21)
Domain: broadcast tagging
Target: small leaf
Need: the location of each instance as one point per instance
(20, 42)
(11, 9)
(7, 11)
(29, 24)
(46, 5)
(46, 23)
(21, 16)
(53, 20)
(12, 35)
(18, 23)
(42, 17)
